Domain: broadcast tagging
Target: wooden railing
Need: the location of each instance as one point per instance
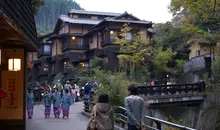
(121, 118)
(158, 90)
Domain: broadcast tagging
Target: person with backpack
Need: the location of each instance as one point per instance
(68, 86)
(102, 116)
(134, 106)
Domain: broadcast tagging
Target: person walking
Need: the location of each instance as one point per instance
(73, 94)
(59, 86)
(30, 103)
(56, 103)
(66, 102)
(77, 89)
(87, 90)
(134, 106)
(102, 116)
(47, 102)
(68, 86)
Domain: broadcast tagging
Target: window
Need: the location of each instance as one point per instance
(75, 16)
(76, 42)
(94, 17)
(47, 49)
(128, 36)
(94, 38)
(198, 53)
(114, 35)
(46, 68)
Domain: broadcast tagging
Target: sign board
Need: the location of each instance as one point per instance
(12, 88)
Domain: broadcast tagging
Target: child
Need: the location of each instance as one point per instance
(47, 102)
(30, 103)
(73, 93)
(66, 103)
(56, 103)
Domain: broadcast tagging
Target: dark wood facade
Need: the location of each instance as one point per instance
(81, 35)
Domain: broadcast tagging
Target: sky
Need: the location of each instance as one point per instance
(151, 10)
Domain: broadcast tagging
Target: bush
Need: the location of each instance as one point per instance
(179, 122)
(216, 67)
(114, 84)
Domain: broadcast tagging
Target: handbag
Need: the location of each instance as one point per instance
(93, 122)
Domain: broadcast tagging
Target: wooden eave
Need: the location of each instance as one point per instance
(19, 16)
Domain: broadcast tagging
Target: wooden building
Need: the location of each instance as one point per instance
(81, 35)
(17, 37)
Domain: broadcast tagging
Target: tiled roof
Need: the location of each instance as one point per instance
(94, 12)
(127, 21)
(66, 18)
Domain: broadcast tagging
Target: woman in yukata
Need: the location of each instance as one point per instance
(56, 103)
(30, 103)
(47, 102)
(66, 102)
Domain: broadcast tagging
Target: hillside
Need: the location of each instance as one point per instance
(48, 14)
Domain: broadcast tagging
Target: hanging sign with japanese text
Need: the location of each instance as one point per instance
(11, 88)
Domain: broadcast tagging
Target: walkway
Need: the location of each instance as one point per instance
(75, 122)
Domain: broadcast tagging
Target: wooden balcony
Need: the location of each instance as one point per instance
(197, 64)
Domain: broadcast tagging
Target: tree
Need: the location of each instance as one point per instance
(216, 67)
(134, 50)
(161, 60)
(172, 41)
(201, 17)
(49, 13)
(170, 36)
(36, 5)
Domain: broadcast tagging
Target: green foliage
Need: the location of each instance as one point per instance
(161, 59)
(200, 18)
(169, 36)
(179, 122)
(58, 76)
(96, 62)
(114, 84)
(173, 37)
(133, 51)
(36, 5)
(216, 67)
(49, 13)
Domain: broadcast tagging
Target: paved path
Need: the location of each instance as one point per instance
(75, 122)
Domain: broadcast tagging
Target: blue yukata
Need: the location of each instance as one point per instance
(56, 104)
(30, 104)
(66, 102)
(47, 103)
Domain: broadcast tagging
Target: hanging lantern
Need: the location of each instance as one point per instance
(14, 64)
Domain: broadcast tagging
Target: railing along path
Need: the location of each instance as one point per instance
(121, 118)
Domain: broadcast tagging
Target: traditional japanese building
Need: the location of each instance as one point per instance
(17, 37)
(81, 35)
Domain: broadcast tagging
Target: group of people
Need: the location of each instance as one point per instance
(102, 116)
(73, 90)
(60, 101)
